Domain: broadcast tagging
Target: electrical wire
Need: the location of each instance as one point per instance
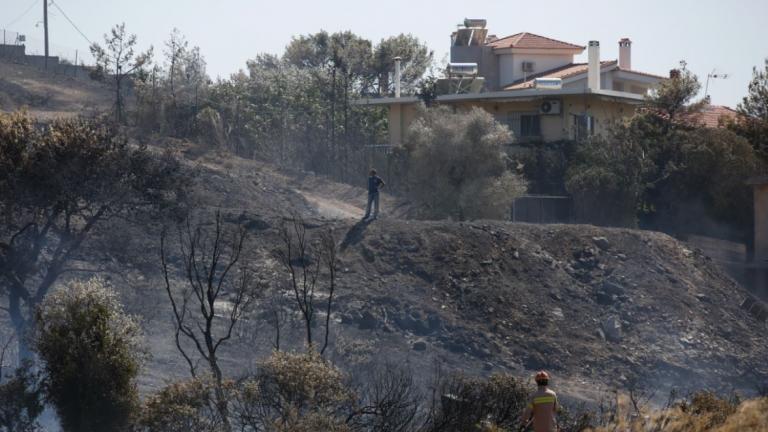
(34, 3)
(56, 5)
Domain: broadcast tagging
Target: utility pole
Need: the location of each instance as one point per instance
(45, 26)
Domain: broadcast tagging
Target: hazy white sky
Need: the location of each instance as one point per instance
(727, 36)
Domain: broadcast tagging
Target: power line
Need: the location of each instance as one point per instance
(34, 3)
(56, 5)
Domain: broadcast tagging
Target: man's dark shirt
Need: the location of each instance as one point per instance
(374, 182)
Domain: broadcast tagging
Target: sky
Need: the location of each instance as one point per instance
(727, 37)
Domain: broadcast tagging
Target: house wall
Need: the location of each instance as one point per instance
(401, 116)
(511, 65)
(559, 127)
(553, 127)
(761, 222)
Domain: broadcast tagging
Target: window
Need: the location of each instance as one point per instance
(530, 125)
(583, 126)
(522, 125)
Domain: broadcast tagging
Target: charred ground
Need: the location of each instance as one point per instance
(602, 308)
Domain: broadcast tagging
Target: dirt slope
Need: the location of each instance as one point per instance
(599, 307)
(48, 96)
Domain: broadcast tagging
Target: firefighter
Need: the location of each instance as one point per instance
(541, 412)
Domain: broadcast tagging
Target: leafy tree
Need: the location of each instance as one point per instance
(57, 186)
(753, 121)
(457, 166)
(92, 354)
(664, 170)
(118, 58)
(607, 180)
(415, 61)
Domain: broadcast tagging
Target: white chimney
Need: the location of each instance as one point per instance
(593, 72)
(625, 54)
(397, 76)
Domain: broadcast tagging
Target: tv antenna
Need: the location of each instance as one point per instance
(713, 75)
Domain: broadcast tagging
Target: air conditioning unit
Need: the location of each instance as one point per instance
(529, 66)
(550, 107)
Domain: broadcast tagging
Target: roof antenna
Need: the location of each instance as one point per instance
(713, 75)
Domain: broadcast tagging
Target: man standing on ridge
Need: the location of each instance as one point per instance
(374, 184)
(542, 410)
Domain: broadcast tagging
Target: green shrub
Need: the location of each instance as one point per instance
(91, 356)
(184, 406)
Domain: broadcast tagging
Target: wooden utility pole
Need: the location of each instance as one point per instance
(45, 26)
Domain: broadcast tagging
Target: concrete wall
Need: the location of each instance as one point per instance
(485, 59)
(401, 116)
(12, 51)
(17, 53)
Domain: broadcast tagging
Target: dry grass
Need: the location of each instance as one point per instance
(705, 412)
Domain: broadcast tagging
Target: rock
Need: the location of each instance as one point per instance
(613, 288)
(367, 321)
(602, 243)
(600, 334)
(611, 326)
(558, 313)
(605, 299)
(435, 323)
(488, 366)
(419, 345)
(368, 254)
(703, 298)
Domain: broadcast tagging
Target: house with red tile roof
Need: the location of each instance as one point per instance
(714, 116)
(532, 84)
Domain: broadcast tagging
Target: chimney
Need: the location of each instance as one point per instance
(625, 54)
(397, 76)
(593, 71)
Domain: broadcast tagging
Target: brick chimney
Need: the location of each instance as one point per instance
(625, 54)
(593, 71)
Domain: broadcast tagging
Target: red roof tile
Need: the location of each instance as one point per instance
(532, 41)
(711, 115)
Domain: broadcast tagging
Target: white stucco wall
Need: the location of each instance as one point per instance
(511, 65)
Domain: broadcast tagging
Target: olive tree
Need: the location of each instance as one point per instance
(457, 167)
(57, 186)
(91, 353)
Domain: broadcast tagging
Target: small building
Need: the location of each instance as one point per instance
(532, 84)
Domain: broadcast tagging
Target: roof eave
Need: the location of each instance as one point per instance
(373, 101)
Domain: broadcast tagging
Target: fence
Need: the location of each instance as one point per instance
(542, 209)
